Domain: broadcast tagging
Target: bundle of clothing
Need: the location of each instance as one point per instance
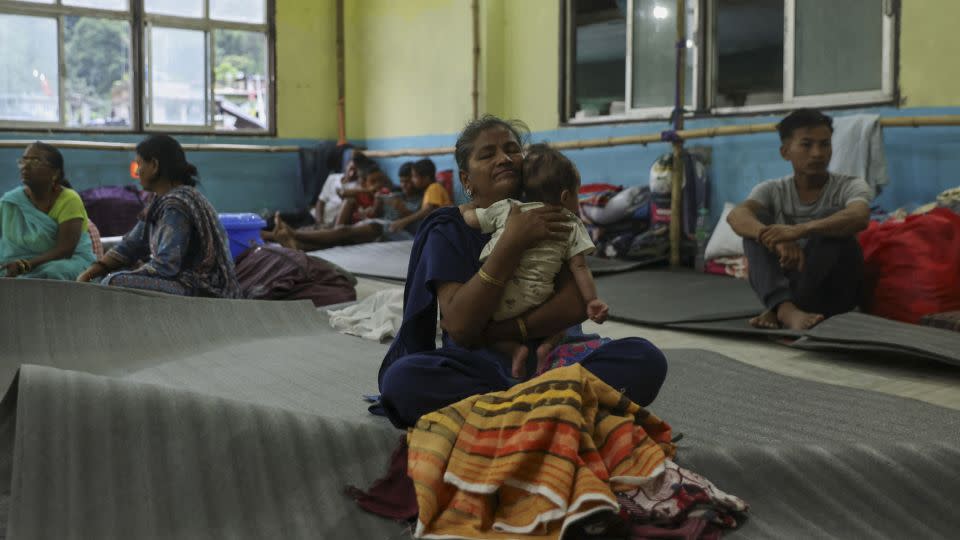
(561, 455)
(619, 222)
(633, 223)
(278, 273)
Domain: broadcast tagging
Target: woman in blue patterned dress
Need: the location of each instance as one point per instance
(179, 245)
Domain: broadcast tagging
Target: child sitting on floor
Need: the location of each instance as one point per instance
(359, 203)
(434, 195)
(548, 178)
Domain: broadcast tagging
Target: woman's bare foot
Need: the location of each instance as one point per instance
(519, 358)
(283, 234)
(766, 320)
(795, 318)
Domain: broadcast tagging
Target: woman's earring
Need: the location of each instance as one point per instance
(469, 193)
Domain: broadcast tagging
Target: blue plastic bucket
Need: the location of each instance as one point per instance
(243, 231)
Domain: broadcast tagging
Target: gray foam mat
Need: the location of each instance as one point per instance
(858, 328)
(658, 297)
(389, 260)
(157, 416)
(735, 327)
(851, 332)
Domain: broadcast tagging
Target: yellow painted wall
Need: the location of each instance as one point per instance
(408, 67)
(409, 71)
(929, 74)
(306, 69)
(522, 60)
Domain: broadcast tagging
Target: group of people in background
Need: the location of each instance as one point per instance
(799, 230)
(361, 205)
(178, 245)
(509, 280)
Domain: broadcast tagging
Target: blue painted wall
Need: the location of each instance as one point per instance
(233, 181)
(922, 162)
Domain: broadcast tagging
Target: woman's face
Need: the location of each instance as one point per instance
(147, 171)
(493, 171)
(36, 172)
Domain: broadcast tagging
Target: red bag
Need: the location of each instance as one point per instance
(913, 267)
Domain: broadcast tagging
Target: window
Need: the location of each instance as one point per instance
(741, 56)
(131, 65)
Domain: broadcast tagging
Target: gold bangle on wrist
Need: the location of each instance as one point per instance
(490, 279)
(523, 329)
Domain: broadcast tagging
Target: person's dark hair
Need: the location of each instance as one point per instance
(55, 160)
(546, 173)
(802, 118)
(367, 169)
(364, 164)
(173, 164)
(425, 167)
(335, 158)
(406, 169)
(474, 128)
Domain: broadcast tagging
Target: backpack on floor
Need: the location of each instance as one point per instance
(114, 208)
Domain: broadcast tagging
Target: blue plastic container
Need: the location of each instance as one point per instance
(243, 231)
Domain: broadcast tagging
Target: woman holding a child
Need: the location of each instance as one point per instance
(445, 271)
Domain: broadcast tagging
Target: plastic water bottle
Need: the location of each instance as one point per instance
(699, 263)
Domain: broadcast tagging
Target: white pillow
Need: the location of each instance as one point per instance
(724, 242)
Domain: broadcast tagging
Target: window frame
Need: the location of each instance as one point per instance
(655, 113)
(705, 70)
(140, 23)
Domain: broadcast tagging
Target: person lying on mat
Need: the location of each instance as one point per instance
(548, 178)
(43, 223)
(179, 245)
(799, 231)
(445, 273)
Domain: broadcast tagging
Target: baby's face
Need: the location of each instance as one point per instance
(571, 201)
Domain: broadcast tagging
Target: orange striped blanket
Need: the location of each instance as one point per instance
(532, 460)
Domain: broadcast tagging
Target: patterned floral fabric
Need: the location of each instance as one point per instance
(180, 238)
(572, 350)
(676, 498)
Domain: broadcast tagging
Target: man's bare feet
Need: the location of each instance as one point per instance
(519, 358)
(795, 318)
(283, 234)
(766, 320)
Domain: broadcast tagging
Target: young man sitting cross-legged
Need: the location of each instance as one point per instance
(799, 231)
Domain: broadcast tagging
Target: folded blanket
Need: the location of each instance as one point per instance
(534, 459)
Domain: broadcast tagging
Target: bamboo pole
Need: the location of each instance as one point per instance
(686, 134)
(676, 196)
(129, 147)
(475, 89)
(341, 79)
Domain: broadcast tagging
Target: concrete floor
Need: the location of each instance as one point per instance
(924, 380)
